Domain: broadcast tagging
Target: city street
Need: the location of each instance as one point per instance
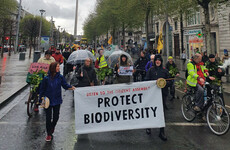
(21, 133)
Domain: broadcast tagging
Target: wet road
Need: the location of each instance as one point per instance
(18, 132)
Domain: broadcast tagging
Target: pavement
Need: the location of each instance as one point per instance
(13, 74)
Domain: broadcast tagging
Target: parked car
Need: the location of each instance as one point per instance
(22, 48)
(7, 47)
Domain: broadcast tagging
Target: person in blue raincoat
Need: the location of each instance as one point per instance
(51, 88)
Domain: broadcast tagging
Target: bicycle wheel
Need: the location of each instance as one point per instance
(219, 100)
(218, 119)
(187, 108)
(30, 105)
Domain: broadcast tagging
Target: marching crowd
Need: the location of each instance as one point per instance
(199, 69)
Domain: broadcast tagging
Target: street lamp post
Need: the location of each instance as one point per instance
(58, 35)
(40, 30)
(18, 22)
(52, 32)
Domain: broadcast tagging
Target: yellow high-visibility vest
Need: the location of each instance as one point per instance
(103, 62)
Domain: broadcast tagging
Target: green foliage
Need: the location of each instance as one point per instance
(36, 78)
(173, 71)
(30, 25)
(179, 84)
(111, 15)
(103, 72)
(7, 9)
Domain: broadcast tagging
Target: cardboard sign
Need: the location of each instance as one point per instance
(126, 71)
(35, 67)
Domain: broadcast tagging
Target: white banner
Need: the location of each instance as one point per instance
(126, 71)
(118, 107)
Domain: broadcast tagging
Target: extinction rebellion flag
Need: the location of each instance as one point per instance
(118, 107)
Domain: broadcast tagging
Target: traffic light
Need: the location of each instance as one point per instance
(7, 38)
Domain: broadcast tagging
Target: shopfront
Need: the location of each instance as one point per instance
(194, 41)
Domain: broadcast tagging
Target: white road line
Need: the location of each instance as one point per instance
(186, 124)
(63, 123)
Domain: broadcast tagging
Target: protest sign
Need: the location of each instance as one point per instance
(126, 71)
(118, 107)
(35, 67)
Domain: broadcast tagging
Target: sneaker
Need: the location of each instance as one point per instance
(48, 138)
(36, 109)
(196, 108)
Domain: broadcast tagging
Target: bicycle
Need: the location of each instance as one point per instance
(32, 101)
(34, 81)
(217, 115)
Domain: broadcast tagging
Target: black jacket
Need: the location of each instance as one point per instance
(89, 75)
(141, 63)
(155, 73)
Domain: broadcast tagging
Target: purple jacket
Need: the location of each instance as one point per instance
(148, 65)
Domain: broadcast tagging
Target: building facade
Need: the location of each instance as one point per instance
(189, 34)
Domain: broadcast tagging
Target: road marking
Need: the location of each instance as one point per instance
(185, 124)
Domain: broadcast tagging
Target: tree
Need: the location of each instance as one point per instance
(7, 9)
(30, 26)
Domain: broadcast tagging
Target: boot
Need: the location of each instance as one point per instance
(162, 134)
(148, 131)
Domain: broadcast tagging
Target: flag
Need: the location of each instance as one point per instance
(160, 43)
(110, 40)
(102, 47)
(145, 46)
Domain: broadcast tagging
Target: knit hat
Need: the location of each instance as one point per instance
(170, 57)
(211, 56)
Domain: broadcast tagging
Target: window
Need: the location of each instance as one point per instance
(175, 25)
(130, 34)
(193, 18)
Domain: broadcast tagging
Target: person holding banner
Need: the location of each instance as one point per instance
(155, 73)
(123, 62)
(51, 88)
(86, 74)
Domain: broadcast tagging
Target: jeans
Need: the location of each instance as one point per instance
(199, 97)
(51, 123)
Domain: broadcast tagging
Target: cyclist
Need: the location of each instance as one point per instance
(196, 78)
(173, 72)
(214, 70)
(140, 66)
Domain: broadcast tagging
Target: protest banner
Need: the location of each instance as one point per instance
(35, 67)
(126, 71)
(118, 107)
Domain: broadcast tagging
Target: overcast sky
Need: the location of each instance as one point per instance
(63, 11)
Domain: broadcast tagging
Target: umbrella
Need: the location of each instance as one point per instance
(115, 56)
(78, 57)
